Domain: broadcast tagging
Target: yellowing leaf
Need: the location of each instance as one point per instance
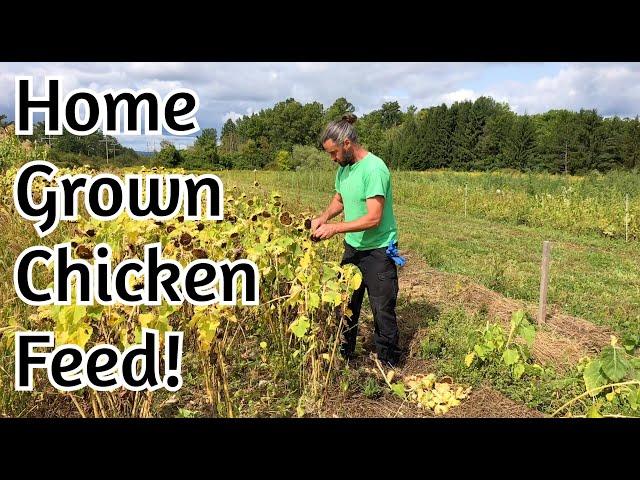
(300, 326)
(294, 292)
(398, 389)
(510, 356)
(356, 281)
(337, 299)
(146, 318)
(440, 409)
(79, 312)
(594, 411)
(306, 260)
(81, 336)
(468, 359)
(314, 300)
(518, 370)
(390, 375)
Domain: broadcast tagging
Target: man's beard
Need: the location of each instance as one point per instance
(348, 159)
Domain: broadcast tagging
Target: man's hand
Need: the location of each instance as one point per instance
(316, 222)
(326, 231)
(335, 208)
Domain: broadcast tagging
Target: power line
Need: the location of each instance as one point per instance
(106, 141)
(48, 138)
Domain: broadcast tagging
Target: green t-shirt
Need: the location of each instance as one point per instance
(364, 179)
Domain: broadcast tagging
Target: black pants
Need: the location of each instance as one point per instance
(380, 279)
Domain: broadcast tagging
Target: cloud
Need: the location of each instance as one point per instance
(459, 96)
(612, 89)
(231, 115)
(232, 89)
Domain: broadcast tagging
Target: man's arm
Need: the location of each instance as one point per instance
(334, 209)
(373, 217)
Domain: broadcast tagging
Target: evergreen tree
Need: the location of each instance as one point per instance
(521, 144)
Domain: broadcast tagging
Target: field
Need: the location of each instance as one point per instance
(466, 311)
(498, 243)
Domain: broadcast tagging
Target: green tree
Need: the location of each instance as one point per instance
(283, 161)
(371, 132)
(521, 143)
(373, 126)
(229, 137)
(307, 157)
(435, 130)
(493, 145)
(471, 119)
(611, 132)
(339, 108)
(205, 148)
(589, 140)
(168, 155)
(556, 140)
(390, 115)
(403, 146)
(290, 123)
(250, 156)
(631, 144)
(463, 137)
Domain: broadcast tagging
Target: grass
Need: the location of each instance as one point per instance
(591, 276)
(593, 204)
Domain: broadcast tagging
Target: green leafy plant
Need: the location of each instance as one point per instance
(631, 342)
(494, 348)
(185, 413)
(612, 380)
(371, 389)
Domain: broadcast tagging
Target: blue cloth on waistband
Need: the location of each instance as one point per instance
(393, 254)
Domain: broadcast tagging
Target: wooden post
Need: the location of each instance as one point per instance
(465, 201)
(626, 218)
(544, 282)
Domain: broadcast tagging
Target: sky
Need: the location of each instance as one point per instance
(231, 90)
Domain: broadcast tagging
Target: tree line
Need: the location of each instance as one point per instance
(468, 135)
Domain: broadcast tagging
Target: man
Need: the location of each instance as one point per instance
(363, 192)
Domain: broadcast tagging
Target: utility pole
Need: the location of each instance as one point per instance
(105, 140)
(48, 138)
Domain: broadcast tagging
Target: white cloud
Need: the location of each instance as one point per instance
(612, 89)
(226, 89)
(312, 67)
(234, 116)
(459, 96)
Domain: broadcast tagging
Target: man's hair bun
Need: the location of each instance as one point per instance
(349, 117)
